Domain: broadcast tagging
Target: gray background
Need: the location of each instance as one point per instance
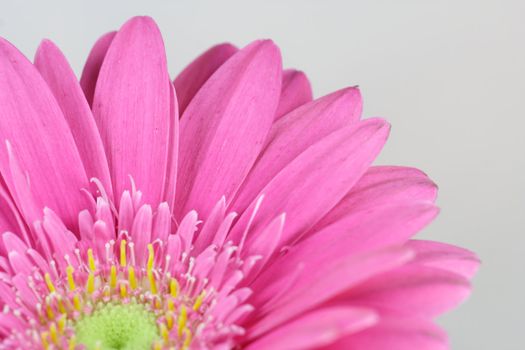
(448, 75)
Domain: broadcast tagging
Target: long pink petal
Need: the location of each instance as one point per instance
(224, 127)
(173, 151)
(316, 328)
(58, 75)
(31, 120)
(316, 180)
(132, 109)
(193, 77)
(88, 79)
(294, 133)
(296, 91)
(411, 291)
(445, 256)
(398, 334)
(320, 283)
(381, 185)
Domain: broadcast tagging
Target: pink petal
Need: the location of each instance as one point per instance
(396, 334)
(173, 151)
(445, 256)
(193, 77)
(40, 137)
(61, 80)
(411, 291)
(294, 133)
(89, 77)
(316, 328)
(320, 283)
(224, 127)
(296, 91)
(132, 109)
(316, 180)
(381, 185)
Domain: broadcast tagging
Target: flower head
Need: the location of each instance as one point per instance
(225, 210)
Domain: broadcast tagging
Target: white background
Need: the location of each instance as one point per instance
(449, 75)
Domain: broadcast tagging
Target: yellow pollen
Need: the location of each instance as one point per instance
(61, 324)
(70, 279)
(72, 343)
(157, 346)
(182, 320)
(164, 332)
(90, 285)
(174, 287)
(123, 290)
(199, 300)
(123, 253)
(49, 312)
(49, 283)
(53, 332)
(187, 339)
(113, 277)
(45, 342)
(61, 307)
(151, 257)
(132, 279)
(91, 260)
(171, 305)
(169, 320)
(76, 302)
(152, 284)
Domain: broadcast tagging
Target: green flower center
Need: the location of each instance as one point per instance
(116, 326)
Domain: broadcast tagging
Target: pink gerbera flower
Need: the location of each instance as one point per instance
(256, 221)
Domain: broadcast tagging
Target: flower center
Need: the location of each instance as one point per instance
(114, 326)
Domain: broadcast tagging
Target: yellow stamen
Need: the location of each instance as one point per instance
(49, 283)
(45, 342)
(174, 287)
(157, 346)
(90, 285)
(113, 277)
(151, 257)
(70, 279)
(171, 305)
(91, 260)
(72, 343)
(132, 279)
(123, 253)
(123, 290)
(164, 332)
(199, 300)
(49, 312)
(187, 339)
(152, 284)
(61, 324)
(76, 302)
(53, 332)
(183, 316)
(169, 320)
(61, 306)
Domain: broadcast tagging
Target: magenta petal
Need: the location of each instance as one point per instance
(132, 108)
(193, 77)
(296, 91)
(396, 334)
(445, 256)
(294, 133)
(316, 328)
(224, 127)
(316, 180)
(411, 291)
(40, 138)
(62, 81)
(383, 185)
(173, 151)
(320, 283)
(88, 80)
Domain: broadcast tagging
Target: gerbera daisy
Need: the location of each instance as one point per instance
(225, 210)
